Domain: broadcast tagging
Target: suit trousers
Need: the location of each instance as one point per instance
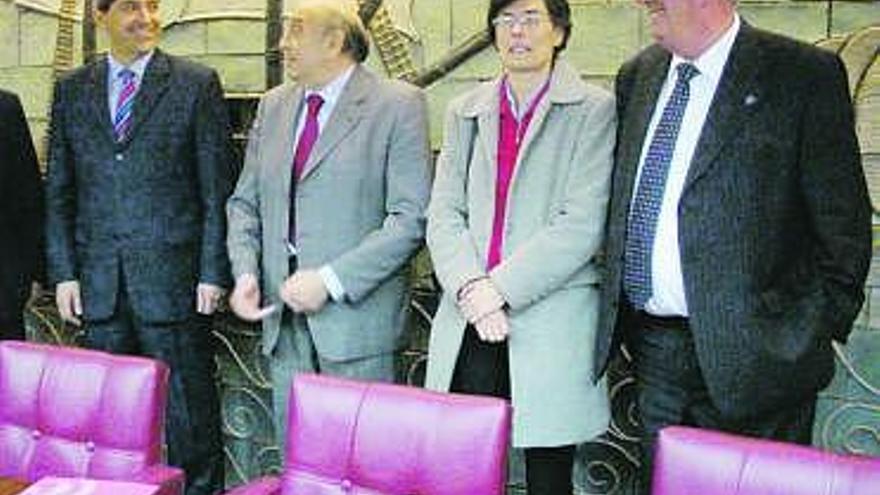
(483, 368)
(295, 353)
(192, 429)
(12, 327)
(671, 391)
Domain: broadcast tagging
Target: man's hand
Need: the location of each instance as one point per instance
(207, 298)
(304, 292)
(69, 301)
(478, 298)
(493, 327)
(245, 299)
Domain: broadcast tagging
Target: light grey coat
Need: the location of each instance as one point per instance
(553, 231)
(359, 208)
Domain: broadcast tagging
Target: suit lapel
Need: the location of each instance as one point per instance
(153, 86)
(348, 112)
(100, 98)
(285, 129)
(638, 111)
(736, 91)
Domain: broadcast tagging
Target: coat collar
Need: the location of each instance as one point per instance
(566, 87)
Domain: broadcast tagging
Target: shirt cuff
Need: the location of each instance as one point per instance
(332, 283)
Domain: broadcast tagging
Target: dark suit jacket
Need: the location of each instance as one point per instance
(148, 212)
(21, 208)
(774, 220)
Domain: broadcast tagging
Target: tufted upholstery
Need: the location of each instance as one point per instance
(695, 462)
(358, 438)
(78, 413)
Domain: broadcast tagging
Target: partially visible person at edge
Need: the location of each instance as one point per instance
(739, 234)
(21, 217)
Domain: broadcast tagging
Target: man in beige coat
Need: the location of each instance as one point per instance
(324, 253)
(520, 323)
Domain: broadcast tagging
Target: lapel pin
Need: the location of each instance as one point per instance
(750, 100)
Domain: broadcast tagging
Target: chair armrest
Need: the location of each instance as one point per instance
(169, 479)
(269, 485)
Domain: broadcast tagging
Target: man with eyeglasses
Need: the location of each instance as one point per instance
(739, 233)
(140, 167)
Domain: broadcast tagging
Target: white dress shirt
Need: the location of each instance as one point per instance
(114, 79)
(330, 94)
(668, 298)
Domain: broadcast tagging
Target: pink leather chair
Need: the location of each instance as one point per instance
(696, 462)
(356, 438)
(78, 413)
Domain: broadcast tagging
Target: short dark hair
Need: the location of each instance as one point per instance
(560, 16)
(355, 42)
(104, 5)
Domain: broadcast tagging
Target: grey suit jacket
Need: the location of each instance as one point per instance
(359, 208)
(774, 220)
(146, 212)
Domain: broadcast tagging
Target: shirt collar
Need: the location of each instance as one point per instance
(711, 62)
(519, 110)
(139, 66)
(331, 92)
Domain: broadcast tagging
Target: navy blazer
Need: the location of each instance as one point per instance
(145, 215)
(774, 220)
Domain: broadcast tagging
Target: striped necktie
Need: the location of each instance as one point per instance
(122, 117)
(645, 209)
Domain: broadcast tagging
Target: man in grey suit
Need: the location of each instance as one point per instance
(329, 207)
(739, 231)
(139, 172)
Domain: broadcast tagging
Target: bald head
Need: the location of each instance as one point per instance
(339, 16)
(688, 27)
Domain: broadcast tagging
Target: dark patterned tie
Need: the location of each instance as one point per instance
(645, 209)
(304, 145)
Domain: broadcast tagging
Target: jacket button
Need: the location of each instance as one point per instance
(119, 157)
(90, 446)
(346, 486)
(36, 434)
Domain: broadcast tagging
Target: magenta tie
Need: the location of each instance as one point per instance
(304, 146)
(308, 136)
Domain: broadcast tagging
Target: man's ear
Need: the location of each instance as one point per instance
(335, 39)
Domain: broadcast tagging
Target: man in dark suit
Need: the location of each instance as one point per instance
(139, 171)
(739, 227)
(21, 216)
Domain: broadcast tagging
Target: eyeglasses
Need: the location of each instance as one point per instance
(529, 20)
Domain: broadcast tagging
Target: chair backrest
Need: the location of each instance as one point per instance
(79, 413)
(692, 461)
(347, 437)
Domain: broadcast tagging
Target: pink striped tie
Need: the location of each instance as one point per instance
(122, 117)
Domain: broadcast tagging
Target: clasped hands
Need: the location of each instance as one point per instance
(483, 306)
(304, 292)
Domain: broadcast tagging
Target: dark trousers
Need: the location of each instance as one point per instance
(12, 327)
(483, 369)
(671, 391)
(192, 426)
